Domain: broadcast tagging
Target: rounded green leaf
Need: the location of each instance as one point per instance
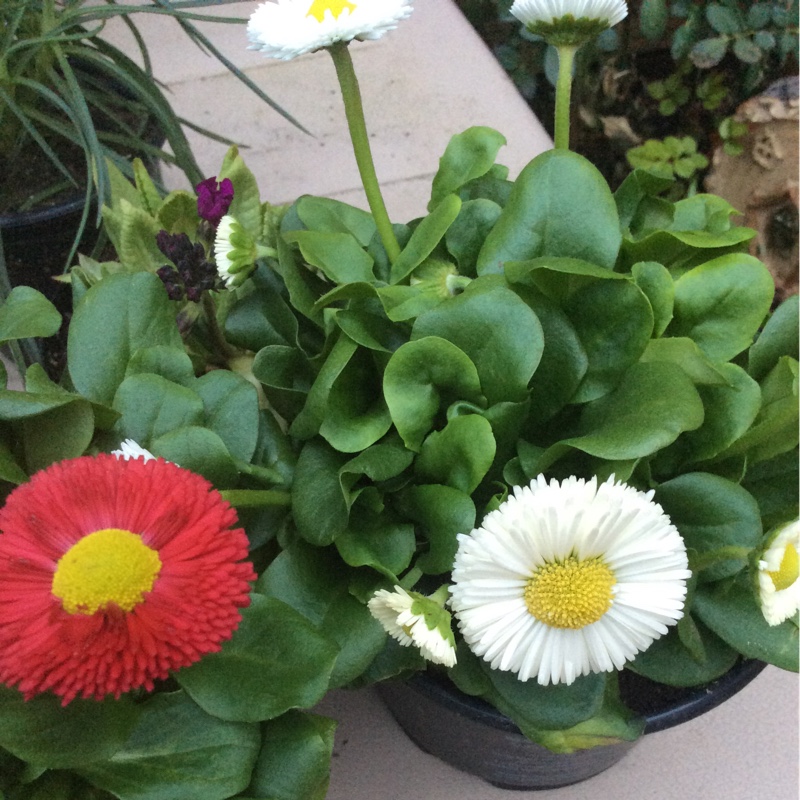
(199, 450)
(459, 455)
(319, 507)
(543, 217)
(657, 284)
(712, 513)
(779, 337)
(465, 237)
(667, 661)
(422, 378)
(151, 406)
(45, 733)
(27, 313)
(179, 752)
(468, 155)
(116, 317)
(441, 513)
(63, 432)
(294, 762)
(721, 304)
(275, 661)
(497, 330)
(733, 613)
(614, 322)
(230, 405)
(730, 410)
(708, 53)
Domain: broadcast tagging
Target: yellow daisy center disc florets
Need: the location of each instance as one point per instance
(319, 7)
(107, 567)
(570, 594)
(789, 570)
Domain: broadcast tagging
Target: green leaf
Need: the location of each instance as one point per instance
(541, 218)
(459, 455)
(779, 337)
(729, 412)
(45, 733)
(10, 470)
(26, 314)
(294, 762)
(653, 18)
(421, 378)
(532, 706)
(359, 636)
(116, 317)
(564, 361)
(275, 661)
(656, 282)
(712, 513)
(652, 405)
(708, 53)
(426, 236)
(775, 428)
(465, 237)
(723, 19)
(338, 255)
(260, 319)
(759, 15)
(178, 213)
(468, 155)
(356, 415)
(612, 340)
(151, 406)
(171, 363)
(308, 421)
(721, 304)
(668, 661)
(733, 613)
(333, 216)
(246, 204)
(319, 507)
(496, 329)
(687, 355)
(64, 432)
(199, 450)
(230, 405)
(746, 50)
(375, 539)
(441, 513)
(178, 752)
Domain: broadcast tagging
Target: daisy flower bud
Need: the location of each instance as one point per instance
(414, 619)
(569, 22)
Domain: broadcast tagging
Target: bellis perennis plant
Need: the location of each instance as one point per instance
(539, 436)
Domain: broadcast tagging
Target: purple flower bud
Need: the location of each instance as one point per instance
(214, 199)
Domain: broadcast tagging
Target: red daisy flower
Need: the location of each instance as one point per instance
(114, 573)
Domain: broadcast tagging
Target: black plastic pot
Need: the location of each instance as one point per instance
(471, 735)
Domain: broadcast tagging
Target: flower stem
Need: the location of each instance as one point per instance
(566, 57)
(354, 111)
(217, 337)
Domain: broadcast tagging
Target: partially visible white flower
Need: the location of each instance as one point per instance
(779, 574)
(128, 449)
(569, 21)
(235, 252)
(414, 619)
(288, 28)
(566, 579)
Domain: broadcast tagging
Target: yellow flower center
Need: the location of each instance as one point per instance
(789, 570)
(570, 594)
(110, 566)
(319, 7)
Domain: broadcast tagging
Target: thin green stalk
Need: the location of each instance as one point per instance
(354, 111)
(566, 57)
(217, 337)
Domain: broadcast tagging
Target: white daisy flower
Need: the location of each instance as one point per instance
(288, 28)
(128, 450)
(567, 579)
(569, 22)
(778, 573)
(416, 620)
